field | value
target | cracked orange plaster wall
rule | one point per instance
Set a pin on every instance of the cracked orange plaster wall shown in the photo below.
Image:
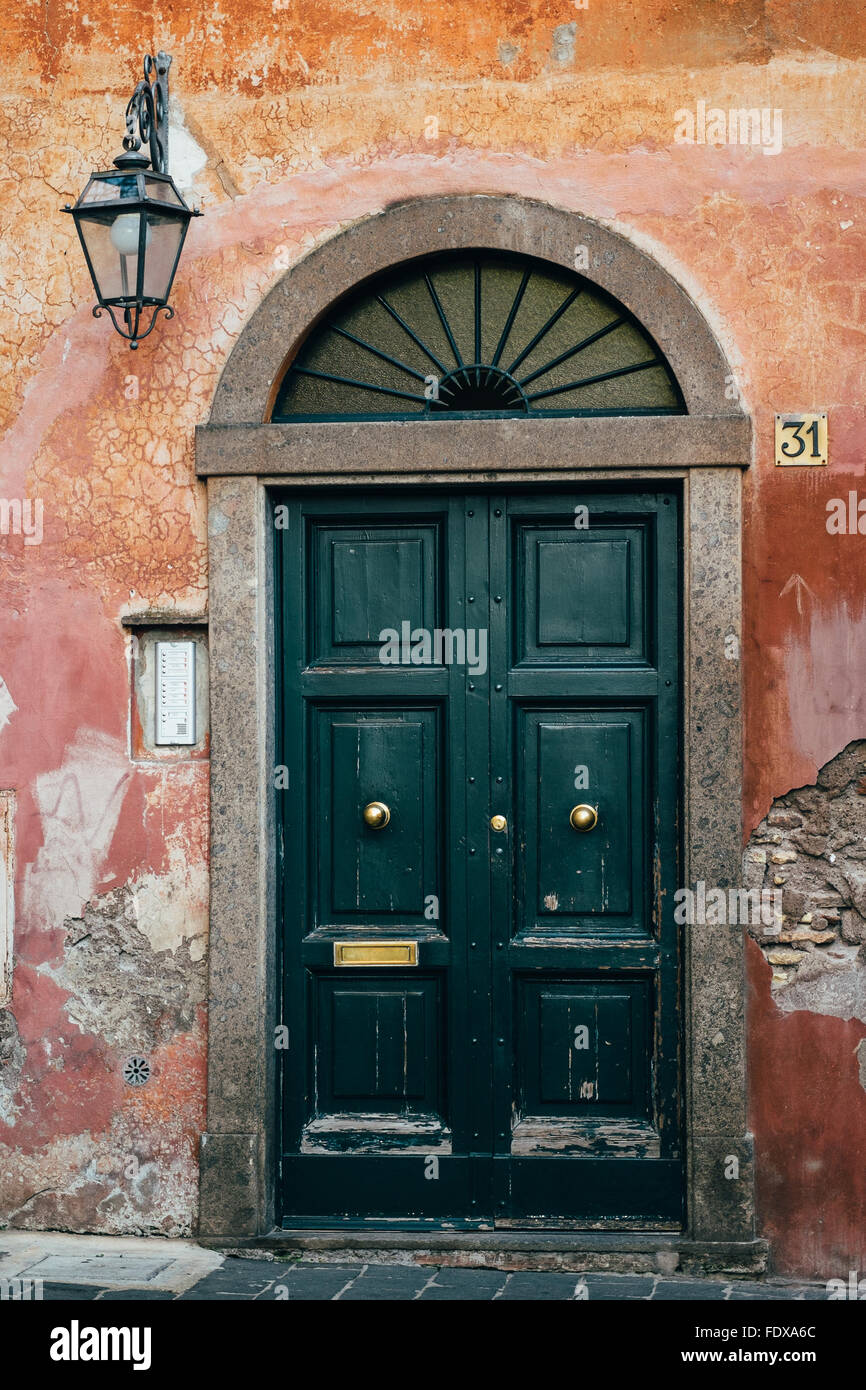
(290, 122)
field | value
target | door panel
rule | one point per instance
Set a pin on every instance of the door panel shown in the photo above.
(376, 1069)
(365, 756)
(363, 581)
(376, 1048)
(603, 1066)
(578, 595)
(564, 876)
(484, 1020)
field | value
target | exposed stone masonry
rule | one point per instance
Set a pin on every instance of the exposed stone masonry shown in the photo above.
(812, 845)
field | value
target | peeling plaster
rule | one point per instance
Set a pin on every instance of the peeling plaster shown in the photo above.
(12, 1057)
(120, 989)
(79, 804)
(172, 908)
(135, 1176)
(186, 154)
(562, 49)
(7, 705)
(833, 984)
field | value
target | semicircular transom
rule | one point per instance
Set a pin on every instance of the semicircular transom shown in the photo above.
(476, 332)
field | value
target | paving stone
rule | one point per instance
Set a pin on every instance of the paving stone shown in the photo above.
(668, 1289)
(388, 1282)
(197, 1294)
(526, 1285)
(279, 1269)
(250, 1271)
(764, 1292)
(79, 1293)
(240, 1278)
(311, 1281)
(102, 1269)
(614, 1286)
(464, 1285)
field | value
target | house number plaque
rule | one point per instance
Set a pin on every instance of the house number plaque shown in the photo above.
(801, 440)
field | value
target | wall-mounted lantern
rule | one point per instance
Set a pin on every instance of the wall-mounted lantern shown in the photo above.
(131, 219)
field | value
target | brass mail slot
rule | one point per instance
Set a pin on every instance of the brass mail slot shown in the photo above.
(375, 953)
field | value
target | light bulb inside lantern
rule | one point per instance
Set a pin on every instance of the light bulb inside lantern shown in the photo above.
(124, 234)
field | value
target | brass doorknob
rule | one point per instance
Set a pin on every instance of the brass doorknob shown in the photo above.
(584, 817)
(377, 815)
(498, 823)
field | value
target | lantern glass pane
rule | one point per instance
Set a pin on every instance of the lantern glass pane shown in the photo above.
(165, 240)
(108, 188)
(116, 275)
(162, 191)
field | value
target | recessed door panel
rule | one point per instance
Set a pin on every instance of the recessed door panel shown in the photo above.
(378, 1044)
(377, 757)
(574, 880)
(579, 595)
(366, 580)
(583, 1047)
(582, 593)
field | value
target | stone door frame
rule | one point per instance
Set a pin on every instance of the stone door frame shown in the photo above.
(243, 457)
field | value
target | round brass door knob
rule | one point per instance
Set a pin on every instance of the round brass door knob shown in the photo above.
(584, 818)
(377, 815)
(498, 823)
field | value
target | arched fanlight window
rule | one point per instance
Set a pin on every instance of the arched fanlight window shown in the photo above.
(477, 332)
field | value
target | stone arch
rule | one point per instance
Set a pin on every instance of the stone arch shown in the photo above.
(270, 338)
(243, 455)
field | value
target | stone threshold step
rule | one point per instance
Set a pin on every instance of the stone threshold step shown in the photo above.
(577, 1251)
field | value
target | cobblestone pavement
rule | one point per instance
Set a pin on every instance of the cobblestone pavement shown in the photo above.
(143, 1269)
(307, 1280)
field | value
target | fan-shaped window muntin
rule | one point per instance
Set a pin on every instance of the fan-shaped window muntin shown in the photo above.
(475, 334)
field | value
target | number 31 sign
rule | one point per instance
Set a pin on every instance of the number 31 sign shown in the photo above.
(801, 440)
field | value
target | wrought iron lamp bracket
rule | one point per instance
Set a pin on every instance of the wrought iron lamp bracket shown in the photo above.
(148, 108)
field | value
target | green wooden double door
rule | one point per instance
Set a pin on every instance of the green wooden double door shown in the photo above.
(478, 717)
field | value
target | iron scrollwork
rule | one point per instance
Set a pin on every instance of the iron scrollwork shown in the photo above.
(148, 109)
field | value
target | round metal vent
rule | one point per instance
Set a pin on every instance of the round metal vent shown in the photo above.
(136, 1071)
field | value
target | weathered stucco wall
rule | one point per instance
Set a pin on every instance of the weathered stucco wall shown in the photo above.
(288, 123)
